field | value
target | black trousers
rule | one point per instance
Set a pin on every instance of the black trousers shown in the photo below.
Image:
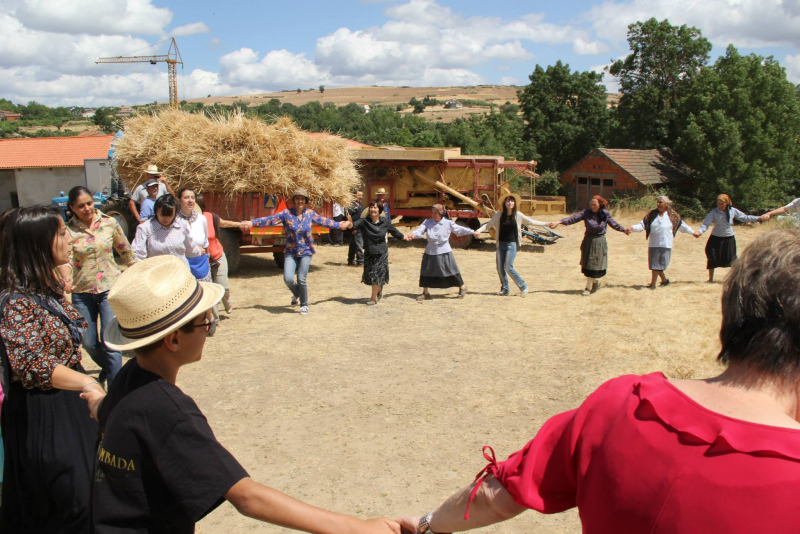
(335, 236)
(355, 254)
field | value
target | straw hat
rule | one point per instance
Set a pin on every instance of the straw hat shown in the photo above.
(152, 169)
(154, 297)
(380, 191)
(300, 193)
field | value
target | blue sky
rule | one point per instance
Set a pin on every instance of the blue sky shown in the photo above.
(48, 47)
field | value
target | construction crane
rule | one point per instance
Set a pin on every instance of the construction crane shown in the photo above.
(172, 58)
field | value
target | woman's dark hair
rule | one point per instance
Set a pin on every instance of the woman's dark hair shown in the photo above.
(761, 307)
(27, 265)
(73, 195)
(182, 190)
(503, 217)
(379, 205)
(200, 201)
(166, 205)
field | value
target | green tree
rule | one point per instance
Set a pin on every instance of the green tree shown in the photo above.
(321, 88)
(565, 115)
(102, 119)
(740, 130)
(663, 63)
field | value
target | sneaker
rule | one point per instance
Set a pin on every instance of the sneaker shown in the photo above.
(295, 301)
(523, 292)
(665, 283)
(424, 296)
(371, 302)
(502, 293)
(585, 293)
(303, 310)
(595, 287)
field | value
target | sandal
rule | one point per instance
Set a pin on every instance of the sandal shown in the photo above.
(595, 287)
(371, 302)
(424, 296)
(462, 293)
(585, 293)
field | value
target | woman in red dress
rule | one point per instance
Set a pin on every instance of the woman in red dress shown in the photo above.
(647, 454)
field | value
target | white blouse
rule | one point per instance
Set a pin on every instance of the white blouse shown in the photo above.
(438, 234)
(661, 231)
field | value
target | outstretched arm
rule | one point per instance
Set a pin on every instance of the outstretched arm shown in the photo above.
(266, 504)
(492, 504)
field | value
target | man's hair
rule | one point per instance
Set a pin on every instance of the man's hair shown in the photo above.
(27, 264)
(188, 328)
(761, 307)
(165, 205)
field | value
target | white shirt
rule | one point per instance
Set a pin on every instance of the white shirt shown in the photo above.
(198, 229)
(140, 193)
(337, 210)
(438, 235)
(794, 205)
(661, 231)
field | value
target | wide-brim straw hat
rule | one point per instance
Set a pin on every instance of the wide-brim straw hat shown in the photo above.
(154, 297)
(300, 193)
(152, 169)
(380, 191)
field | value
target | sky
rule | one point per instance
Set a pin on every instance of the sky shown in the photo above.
(48, 48)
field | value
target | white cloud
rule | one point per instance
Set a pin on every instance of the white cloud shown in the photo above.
(509, 80)
(279, 69)
(584, 48)
(189, 29)
(92, 16)
(608, 80)
(792, 64)
(744, 23)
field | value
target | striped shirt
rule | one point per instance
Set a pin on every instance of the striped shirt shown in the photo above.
(153, 239)
(723, 221)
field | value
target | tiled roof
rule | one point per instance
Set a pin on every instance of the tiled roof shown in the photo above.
(649, 167)
(52, 151)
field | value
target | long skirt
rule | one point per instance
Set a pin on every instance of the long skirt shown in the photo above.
(376, 269)
(658, 258)
(594, 256)
(440, 271)
(720, 251)
(49, 457)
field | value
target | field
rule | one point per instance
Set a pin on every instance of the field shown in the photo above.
(382, 410)
(387, 96)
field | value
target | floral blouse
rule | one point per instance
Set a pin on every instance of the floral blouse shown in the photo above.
(93, 267)
(299, 239)
(36, 341)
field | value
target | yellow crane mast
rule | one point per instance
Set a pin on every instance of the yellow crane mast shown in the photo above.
(171, 58)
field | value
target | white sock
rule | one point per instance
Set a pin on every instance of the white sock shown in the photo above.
(589, 282)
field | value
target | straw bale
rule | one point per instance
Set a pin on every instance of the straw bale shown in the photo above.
(234, 154)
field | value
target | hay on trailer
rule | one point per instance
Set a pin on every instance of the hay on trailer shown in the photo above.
(235, 154)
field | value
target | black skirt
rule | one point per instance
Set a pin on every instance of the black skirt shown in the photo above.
(720, 251)
(50, 443)
(594, 256)
(440, 271)
(376, 269)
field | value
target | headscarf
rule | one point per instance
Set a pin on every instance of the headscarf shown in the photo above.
(727, 199)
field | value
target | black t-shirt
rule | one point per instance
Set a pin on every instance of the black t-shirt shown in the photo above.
(508, 230)
(159, 468)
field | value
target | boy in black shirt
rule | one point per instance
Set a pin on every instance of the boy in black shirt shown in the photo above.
(159, 467)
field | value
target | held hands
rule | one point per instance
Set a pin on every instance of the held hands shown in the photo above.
(245, 226)
(379, 525)
(93, 393)
(344, 225)
(409, 523)
(628, 231)
(697, 233)
(764, 218)
(409, 237)
(553, 225)
(476, 233)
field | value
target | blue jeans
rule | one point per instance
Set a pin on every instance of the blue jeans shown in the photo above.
(92, 305)
(292, 265)
(506, 252)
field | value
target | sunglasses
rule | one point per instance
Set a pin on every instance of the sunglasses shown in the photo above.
(206, 325)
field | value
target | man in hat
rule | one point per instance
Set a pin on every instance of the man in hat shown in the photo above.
(159, 467)
(380, 196)
(148, 205)
(140, 193)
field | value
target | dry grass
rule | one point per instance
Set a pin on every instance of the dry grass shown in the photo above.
(384, 409)
(234, 154)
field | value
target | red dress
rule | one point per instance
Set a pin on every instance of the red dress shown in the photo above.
(639, 456)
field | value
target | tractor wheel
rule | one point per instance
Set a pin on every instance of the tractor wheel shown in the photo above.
(118, 208)
(461, 241)
(278, 257)
(229, 239)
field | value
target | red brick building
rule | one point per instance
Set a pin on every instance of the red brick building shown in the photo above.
(610, 171)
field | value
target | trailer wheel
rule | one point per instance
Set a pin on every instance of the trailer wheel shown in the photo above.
(118, 208)
(229, 239)
(461, 241)
(278, 257)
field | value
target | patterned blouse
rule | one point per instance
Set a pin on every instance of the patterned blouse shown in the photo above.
(93, 267)
(36, 341)
(153, 239)
(299, 239)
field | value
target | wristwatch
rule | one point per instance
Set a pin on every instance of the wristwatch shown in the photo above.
(424, 524)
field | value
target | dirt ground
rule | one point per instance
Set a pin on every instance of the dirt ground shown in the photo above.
(383, 410)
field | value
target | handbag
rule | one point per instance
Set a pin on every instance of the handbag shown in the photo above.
(199, 266)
